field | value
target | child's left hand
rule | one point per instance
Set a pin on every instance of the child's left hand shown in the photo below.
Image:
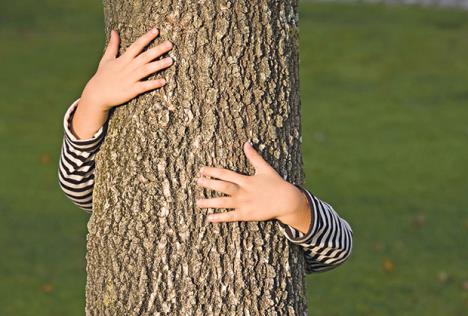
(263, 196)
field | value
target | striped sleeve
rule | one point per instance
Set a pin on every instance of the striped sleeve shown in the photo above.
(328, 242)
(76, 165)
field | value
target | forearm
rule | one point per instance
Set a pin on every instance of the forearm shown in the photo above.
(328, 241)
(76, 165)
(88, 118)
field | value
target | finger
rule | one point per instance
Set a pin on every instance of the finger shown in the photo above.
(217, 202)
(218, 185)
(223, 174)
(232, 216)
(153, 67)
(140, 43)
(112, 47)
(154, 53)
(147, 85)
(255, 158)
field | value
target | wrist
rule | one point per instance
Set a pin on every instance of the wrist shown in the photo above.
(87, 119)
(91, 101)
(300, 216)
(90, 109)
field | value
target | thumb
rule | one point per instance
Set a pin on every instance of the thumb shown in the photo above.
(255, 158)
(112, 47)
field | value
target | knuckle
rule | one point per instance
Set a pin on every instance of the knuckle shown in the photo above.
(147, 68)
(140, 88)
(156, 84)
(143, 71)
(224, 186)
(133, 46)
(244, 180)
(155, 52)
(231, 172)
(140, 59)
(142, 39)
(139, 42)
(230, 187)
(146, 84)
(164, 46)
(156, 65)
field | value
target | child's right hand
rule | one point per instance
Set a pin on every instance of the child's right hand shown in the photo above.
(117, 79)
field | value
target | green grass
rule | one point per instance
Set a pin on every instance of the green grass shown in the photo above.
(385, 133)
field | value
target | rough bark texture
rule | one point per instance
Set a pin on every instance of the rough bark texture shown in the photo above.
(149, 250)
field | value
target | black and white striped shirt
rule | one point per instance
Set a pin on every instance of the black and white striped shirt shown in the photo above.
(326, 245)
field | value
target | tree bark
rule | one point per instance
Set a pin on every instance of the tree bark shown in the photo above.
(235, 77)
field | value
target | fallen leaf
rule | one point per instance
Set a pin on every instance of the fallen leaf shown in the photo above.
(45, 158)
(47, 287)
(388, 265)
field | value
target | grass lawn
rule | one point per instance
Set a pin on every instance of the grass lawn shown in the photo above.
(385, 134)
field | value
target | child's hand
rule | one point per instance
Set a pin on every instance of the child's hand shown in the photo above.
(117, 79)
(263, 196)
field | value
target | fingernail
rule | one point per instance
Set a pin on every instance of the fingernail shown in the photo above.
(155, 31)
(209, 217)
(250, 143)
(163, 81)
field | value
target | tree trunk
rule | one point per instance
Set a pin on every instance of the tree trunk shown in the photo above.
(236, 77)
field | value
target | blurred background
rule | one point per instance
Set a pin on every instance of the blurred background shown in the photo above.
(384, 90)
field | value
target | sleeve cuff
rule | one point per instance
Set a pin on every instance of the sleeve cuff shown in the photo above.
(80, 144)
(295, 235)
